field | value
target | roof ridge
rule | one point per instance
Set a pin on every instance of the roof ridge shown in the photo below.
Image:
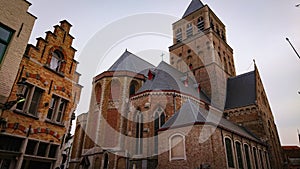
(242, 75)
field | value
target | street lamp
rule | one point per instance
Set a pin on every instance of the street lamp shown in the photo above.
(287, 39)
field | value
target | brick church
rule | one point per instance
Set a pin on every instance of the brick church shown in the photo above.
(192, 113)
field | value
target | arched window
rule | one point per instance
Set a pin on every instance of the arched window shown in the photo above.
(247, 154)
(255, 157)
(56, 61)
(261, 159)
(177, 147)
(159, 121)
(139, 132)
(105, 161)
(200, 24)
(98, 92)
(229, 153)
(239, 155)
(267, 160)
(133, 87)
(178, 35)
(189, 30)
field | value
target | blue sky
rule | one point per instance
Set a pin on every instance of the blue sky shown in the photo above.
(255, 30)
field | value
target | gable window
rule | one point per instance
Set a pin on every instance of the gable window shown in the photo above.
(159, 121)
(5, 37)
(239, 155)
(56, 61)
(177, 147)
(229, 153)
(57, 109)
(139, 132)
(246, 148)
(178, 35)
(32, 100)
(200, 24)
(189, 30)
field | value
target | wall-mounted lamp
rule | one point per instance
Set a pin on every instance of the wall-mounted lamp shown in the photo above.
(22, 86)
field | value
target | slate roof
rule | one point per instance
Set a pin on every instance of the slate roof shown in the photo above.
(131, 62)
(194, 6)
(169, 78)
(241, 90)
(190, 113)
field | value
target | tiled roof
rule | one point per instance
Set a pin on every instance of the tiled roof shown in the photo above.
(194, 6)
(190, 113)
(168, 78)
(241, 90)
(290, 147)
(131, 62)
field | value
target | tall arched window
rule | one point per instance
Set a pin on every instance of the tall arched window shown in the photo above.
(159, 121)
(239, 155)
(98, 92)
(105, 161)
(255, 157)
(177, 147)
(139, 132)
(189, 30)
(56, 61)
(247, 154)
(200, 24)
(133, 87)
(229, 153)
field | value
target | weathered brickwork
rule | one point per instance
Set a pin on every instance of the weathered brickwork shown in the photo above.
(52, 85)
(258, 118)
(14, 15)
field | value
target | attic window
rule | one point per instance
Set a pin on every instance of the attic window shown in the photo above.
(151, 75)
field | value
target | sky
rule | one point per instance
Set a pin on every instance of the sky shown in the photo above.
(255, 30)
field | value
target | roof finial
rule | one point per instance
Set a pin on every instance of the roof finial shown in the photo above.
(162, 56)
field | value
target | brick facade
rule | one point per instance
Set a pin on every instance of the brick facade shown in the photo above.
(14, 16)
(43, 120)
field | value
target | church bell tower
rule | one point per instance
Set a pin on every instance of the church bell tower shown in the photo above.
(200, 49)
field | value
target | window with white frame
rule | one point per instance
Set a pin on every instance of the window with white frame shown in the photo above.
(139, 132)
(177, 147)
(32, 96)
(229, 153)
(239, 155)
(189, 30)
(5, 37)
(57, 109)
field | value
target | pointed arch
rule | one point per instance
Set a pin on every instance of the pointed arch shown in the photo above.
(133, 87)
